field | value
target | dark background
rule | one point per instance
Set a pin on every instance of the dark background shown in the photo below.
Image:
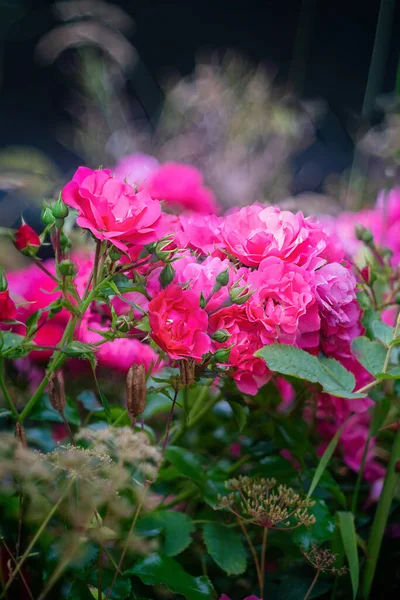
(170, 34)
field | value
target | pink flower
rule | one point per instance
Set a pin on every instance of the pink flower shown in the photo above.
(249, 372)
(284, 303)
(256, 232)
(135, 168)
(178, 324)
(181, 185)
(200, 233)
(111, 210)
(335, 291)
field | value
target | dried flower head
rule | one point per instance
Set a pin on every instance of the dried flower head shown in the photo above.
(57, 391)
(136, 390)
(262, 502)
(323, 560)
(187, 371)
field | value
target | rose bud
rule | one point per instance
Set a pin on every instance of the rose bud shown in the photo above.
(8, 310)
(27, 241)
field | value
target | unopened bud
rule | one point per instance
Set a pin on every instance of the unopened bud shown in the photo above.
(47, 215)
(123, 324)
(67, 268)
(20, 434)
(364, 235)
(223, 278)
(222, 355)
(167, 275)
(64, 241)
(221, 335)
(187, 371)
(60, 209)
(26, 240)
(203, 301)
(57, 391)
(136, 390)
(240, 295)
(3, 280)
(115, 254)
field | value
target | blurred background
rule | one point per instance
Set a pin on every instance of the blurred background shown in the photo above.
(281, 101)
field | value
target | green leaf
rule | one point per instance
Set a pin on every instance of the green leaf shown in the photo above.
(11, 345)
(226, 547)
(90, 401)
(371, 355)
(156, 403)
(157, 569)
(376, 328)
(95, 593)
(383, 332)
(103, 399)
(186, 462)
(379, 414)
(325, 458)
(177, 527)
(78, 350)
(240, 412)
(119, 284)
(392, 373)
(322, 530)
(328, 372)
(349, 538)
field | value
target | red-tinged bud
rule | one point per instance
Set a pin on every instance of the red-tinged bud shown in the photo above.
(366, 274)
(27, 241)
(8, 310)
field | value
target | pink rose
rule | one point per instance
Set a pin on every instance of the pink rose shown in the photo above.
(249, 372)
(200, 233)
(178, 324)
(181, 185)
(335, 288)
(111, 210)
(284, 303)
(256, 232)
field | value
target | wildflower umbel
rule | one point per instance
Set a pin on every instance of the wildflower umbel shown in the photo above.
(262, 502)
(323, 560)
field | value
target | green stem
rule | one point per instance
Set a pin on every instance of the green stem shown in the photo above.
(196, 419)
(381, 517)
(35, 538)
(58, 358)
(359, 477)
(262, 562)
(4, 389)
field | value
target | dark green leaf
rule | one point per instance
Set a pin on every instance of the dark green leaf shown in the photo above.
(370, 354)
(226, 547)
(119, 284)
(329, 373)
(44, 411)
(383, 332)
(90, 401)
(157, 569)
(186, 462)
(349, 538)
(156, 403)
(240, 412)
(320, 532)
(176, 526)
(325, 458)
(11, 345)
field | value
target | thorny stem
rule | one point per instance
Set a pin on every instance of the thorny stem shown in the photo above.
(263, 554)
(314, 581)
(253, 551)
(36, 537)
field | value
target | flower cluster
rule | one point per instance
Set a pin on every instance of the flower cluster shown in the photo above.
(216, 289)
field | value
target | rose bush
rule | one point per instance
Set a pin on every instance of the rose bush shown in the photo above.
(176, 365)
